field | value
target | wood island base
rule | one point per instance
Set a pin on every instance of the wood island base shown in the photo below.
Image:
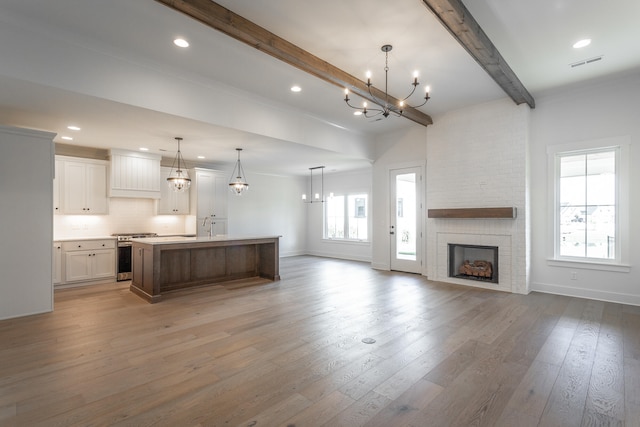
(161, 264)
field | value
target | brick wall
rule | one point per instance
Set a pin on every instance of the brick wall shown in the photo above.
(477, 157)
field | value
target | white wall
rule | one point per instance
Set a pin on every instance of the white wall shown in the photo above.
(26, 200)
(404, 148)
(477, 157)
(338, 183)
(599, 110)
(272, 206)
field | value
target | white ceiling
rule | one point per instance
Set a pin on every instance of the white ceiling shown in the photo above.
(111, 68)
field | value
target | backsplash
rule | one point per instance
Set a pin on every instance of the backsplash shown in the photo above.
(125, 216)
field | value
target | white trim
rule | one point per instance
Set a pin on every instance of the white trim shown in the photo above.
(598, 295)
(347, 256)
(589, 265)
(619, 143)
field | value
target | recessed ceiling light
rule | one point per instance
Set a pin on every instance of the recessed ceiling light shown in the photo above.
(201, 157)
(181, 43)
(296, 88)
(66, 138)
(357, 113)
(581, 43)
(71, 127)
(144, 149)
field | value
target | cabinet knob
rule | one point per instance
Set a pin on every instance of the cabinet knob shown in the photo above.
(79, 246)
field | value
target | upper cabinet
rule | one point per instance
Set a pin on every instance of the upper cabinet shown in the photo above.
(209, 190)
(134, 174)
(57, 183)
(171, 202)
(84, 186)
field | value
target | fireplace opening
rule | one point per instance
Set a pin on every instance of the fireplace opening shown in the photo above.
(473, 262)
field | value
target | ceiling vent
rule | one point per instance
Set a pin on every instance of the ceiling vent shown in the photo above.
(586, 61)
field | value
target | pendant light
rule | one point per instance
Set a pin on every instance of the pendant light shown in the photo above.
(238, 182)
(315, 197)
(178, 179)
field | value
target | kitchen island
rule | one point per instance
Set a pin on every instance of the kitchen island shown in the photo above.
(167, 264)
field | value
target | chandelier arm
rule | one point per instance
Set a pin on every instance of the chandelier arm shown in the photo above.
(377, 100)
(364, 110)
(412, 91)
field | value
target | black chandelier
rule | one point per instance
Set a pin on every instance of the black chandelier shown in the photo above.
(385, 108)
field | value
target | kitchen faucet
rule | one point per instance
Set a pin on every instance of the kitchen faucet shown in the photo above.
(204, 224)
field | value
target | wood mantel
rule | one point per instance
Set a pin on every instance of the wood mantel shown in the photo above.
(166, 264)
(473, 213)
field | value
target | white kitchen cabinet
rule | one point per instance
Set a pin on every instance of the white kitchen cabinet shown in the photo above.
(88, 260)
(209, 200)
(57, 183)
(134, 174)
(57, 263)
(85, 187)
(171, 202)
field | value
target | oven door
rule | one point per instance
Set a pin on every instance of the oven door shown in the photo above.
(124, 261)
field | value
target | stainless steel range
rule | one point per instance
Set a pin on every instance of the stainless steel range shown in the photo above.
(124, 253)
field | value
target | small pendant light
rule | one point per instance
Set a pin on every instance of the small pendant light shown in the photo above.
(178, 179)
(238, 182)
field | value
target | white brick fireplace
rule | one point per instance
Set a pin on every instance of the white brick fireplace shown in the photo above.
(477, 158)
(475, 232)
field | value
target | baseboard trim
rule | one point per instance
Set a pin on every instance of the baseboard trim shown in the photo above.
(586, 293)
(339, 256)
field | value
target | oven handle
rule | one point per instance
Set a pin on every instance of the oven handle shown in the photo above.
(124, 244)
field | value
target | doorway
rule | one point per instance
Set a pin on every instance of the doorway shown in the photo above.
(405, 226)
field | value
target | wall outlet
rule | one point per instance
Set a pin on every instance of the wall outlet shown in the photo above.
(574, 275)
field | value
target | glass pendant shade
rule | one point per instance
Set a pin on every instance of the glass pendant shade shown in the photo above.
(238, 183)
(178, 179)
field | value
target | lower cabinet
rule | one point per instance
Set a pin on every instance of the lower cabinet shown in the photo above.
(89, 260)
(57, 263)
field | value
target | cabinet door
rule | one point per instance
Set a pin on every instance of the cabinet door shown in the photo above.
(182, 203)
(77, 266)
(96, 189)
(74, 188)
(57, 263)
(219, 227)
(57, 182)
(206, 192)
(103, 264)
(221, 192)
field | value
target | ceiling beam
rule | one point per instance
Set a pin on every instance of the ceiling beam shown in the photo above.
(233, 25)
(456, 18)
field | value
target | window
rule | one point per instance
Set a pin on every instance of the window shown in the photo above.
(587, 205)
(346, 217)
(590, 202)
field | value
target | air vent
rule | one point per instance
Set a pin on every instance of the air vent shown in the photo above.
(586, 61)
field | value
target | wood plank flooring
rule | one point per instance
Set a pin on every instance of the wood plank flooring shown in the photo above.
(291, 353)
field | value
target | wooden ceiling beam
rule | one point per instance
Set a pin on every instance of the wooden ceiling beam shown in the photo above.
(233, 25)
(462, 25)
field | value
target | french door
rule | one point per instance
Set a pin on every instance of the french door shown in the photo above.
(405, 227)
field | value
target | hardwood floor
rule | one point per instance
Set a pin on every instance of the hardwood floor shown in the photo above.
(291, 353)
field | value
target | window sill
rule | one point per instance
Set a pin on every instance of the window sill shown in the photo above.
(347, 241)
(589, 265)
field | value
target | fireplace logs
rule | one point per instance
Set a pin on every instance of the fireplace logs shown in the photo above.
(476, 268)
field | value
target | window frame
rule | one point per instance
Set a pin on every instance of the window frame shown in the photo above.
(620, 145)
(346, 196)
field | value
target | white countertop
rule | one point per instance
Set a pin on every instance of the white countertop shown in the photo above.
(203, 239)
(74, 239)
